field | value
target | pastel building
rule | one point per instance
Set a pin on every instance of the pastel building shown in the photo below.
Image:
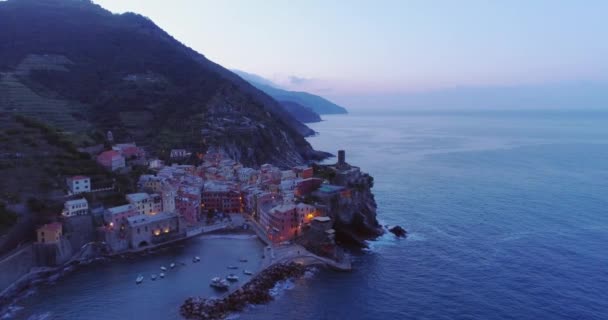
(281, 223)
(49, 233)
(115, 216)
(222, 197)
(188, 204)
(144, 203)
(79, 184)
(111, 160)
(168, 194)
(145, 230)
(76, 207)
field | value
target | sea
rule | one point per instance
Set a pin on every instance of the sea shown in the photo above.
(506, 213)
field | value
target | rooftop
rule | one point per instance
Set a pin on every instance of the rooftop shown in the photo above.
(54, 226)
(76, 201)
(322, 219)
(145, 219)
(78, 178)
(136, 197)
(120, 209)
(330, 188)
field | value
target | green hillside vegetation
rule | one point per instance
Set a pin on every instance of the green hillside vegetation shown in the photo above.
(86, 71)
(37, 158)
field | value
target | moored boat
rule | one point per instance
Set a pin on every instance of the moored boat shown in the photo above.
(161, 275)
(139, 279)
(172, 265)
(153, 277)
(233, 267)
(163, 268)
(220, 284)
(243, 260)
(247, 272)
(232, 277)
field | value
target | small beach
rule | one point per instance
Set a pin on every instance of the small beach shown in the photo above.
(107, 290)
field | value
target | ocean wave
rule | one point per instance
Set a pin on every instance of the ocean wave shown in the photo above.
(310, 273)
(10, 312)
(43, 316)
(280, 288)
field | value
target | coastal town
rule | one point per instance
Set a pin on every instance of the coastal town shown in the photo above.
(181, 201)
(292, 211)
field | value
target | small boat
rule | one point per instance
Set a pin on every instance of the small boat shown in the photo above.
(232, 277)
(153, 277)
(233, 267)
(243, 260)
(172, 265)
(247, 272)
(196, 259)
(161, 275)
(139, 279)
(220, 284)
(163, 268)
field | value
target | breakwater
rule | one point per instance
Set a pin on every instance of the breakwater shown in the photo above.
(256, 291)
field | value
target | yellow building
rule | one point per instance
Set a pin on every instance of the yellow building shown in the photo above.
(49, 233)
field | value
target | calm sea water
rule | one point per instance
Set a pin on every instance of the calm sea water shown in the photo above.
(507, 214)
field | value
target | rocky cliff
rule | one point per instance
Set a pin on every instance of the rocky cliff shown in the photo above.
(353, 208)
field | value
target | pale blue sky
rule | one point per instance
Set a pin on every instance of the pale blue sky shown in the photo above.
(344, 49)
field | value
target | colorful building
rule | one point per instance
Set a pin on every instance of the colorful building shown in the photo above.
(188, 204)
(76, 207)
(222, 197)
(145, 230)
(144, 203)
(111, 160)
(115, 216)
(79, 184)
(49, 233)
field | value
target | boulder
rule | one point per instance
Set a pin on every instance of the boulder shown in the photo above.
(398, 231)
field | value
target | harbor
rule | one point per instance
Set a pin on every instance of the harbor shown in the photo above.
(112, 283)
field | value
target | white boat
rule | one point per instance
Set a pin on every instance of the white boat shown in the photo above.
(220, 284)
(232, 277)
(153, 277)
(196, 259)
(139, 279)
(161, 275)
(247, 272)
(233, 267)
(163, 268)
(172, 265)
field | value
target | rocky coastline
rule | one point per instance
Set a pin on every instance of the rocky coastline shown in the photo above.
(256, 291)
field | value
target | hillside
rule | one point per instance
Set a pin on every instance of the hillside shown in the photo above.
(84, 70)
(316, 103)
(300, 112)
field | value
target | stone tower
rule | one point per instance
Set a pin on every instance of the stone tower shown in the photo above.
(341, 158)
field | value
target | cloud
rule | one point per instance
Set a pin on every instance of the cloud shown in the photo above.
(298, 81)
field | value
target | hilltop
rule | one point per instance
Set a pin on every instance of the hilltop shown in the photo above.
(84, 70)
(316, 103)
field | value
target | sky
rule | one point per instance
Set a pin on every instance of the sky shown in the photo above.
(398, 52)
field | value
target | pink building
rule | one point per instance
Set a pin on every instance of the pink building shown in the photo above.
(282, 223)
(115, 216)
(188, 204)
(111, 160)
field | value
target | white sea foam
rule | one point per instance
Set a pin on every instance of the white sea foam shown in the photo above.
(280, 287)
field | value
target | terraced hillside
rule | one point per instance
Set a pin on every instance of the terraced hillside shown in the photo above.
(85, 70)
